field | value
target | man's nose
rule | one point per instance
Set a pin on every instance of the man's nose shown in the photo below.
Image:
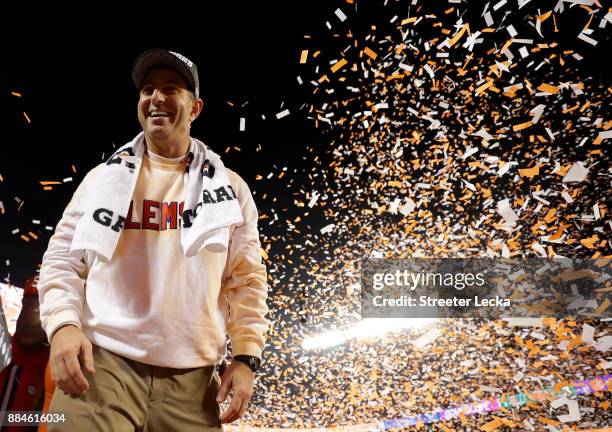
(157, 96)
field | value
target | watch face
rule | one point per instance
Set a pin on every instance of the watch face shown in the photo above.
(254, 363)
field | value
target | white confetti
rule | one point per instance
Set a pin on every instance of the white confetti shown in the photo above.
(313, 199)
(576, 173)
(469, 152)
(499, 4)
(282, 114)
(488, 19)
(525, 322)
(572, 405)
(583, 36)
(568, 199)
(327, 228)
(407, 208)
(340, 15)
(506, 212)
(537, 113)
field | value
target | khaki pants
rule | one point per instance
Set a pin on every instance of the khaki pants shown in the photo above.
(127, 396)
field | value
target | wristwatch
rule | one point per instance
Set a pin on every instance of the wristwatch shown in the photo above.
(251, 361)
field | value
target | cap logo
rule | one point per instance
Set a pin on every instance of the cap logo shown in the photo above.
(182, 58)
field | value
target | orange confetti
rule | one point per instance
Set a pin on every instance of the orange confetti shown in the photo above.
(545, 16)
(370, 53)
(602, 307)
(491, 426)
(408, 20)
(530, 172)
(263, 254)
(455, 38)
(548, 88)
(521, 126)
(304, 56)
(549, 421)
(588, 242)
(483, 87)
(338, 65)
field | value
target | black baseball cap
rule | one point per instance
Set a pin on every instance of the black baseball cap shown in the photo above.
(158, 57)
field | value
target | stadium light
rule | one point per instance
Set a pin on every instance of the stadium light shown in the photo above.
(365, 328)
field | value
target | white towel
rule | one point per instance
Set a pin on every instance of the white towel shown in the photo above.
(211, 205)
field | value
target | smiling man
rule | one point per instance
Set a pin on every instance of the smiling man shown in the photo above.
(155, 260)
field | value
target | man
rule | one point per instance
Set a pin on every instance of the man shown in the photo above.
(156, 259)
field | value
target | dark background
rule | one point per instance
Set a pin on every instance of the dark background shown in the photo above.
(72, 68)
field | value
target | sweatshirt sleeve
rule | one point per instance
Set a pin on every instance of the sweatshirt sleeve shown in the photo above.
(61, 286)
(245, 280)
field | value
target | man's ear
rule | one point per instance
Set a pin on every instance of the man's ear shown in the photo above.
(196, 109)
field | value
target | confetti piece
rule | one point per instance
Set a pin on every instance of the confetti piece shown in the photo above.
(303, 57)
(547, 88)
(242, 126)
(603, 307)
(506, 212)
(341, 16)
(576, 174)
(492, 425)
(583, 36)
(327, 228)
(588, 332)
(525, 322)
(530, 172)
(370, 53)
(521, 126)
(338, 65)
(282, 114)
(572, 405)
(604, 344)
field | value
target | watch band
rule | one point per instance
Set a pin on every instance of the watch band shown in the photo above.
(251, 361)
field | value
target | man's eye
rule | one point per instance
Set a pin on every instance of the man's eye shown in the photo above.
(146, 90)
(170, 90)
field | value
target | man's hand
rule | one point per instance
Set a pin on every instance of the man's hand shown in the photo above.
(69, 346)
(239, 377)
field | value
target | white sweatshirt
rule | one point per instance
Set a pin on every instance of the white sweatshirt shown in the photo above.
(150, 303)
